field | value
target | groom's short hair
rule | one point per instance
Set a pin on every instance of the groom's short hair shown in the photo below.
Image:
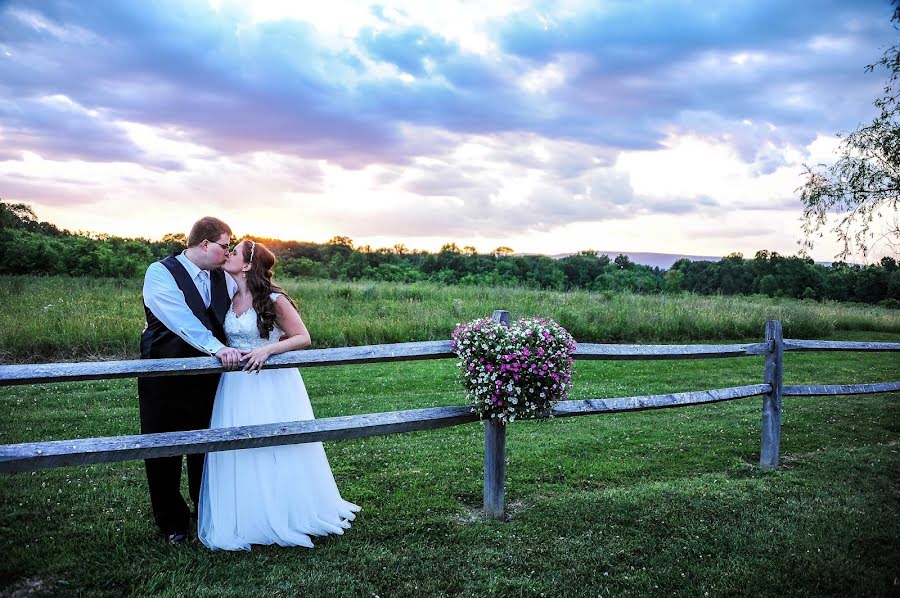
(207, 228)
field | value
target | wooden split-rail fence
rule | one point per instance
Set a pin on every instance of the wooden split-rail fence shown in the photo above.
(44, 455)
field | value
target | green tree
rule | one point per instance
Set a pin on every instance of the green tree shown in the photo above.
(672, 281)
(768, 285)
(871, 285)
(301, 266)
(839, 282)
(16, 215)
(341, 240)
(169, 244)
(622, 261)
(893, 286)
(864, 183)
(582, 268)
(545, 273)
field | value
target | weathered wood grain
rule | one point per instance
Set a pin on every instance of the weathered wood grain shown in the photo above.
(591, 351)
(494, 494)
(69, 372)
(773, 374)
(494, 469)
(793, 344)
(801, 390)
(83, 451)
(11, 375)
(502, 316)
(640, 403)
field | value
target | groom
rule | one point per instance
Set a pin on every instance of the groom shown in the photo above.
(186, 297)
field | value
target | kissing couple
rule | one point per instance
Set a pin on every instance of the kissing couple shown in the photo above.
(217, 299)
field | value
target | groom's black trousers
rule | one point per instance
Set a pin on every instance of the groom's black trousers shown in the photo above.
(172, 404)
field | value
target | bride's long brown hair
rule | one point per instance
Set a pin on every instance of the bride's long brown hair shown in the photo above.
(260, 285)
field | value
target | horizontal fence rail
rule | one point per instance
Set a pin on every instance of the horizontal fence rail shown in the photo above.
(11, 375)
(803, 390)
(677, 399)
(84, 451)
(69, 372)
(793, 344)
(614, 352)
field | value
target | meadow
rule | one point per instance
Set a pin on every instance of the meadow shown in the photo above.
(650, 503)
(63, 319)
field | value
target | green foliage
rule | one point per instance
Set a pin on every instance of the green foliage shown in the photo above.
(673, 281)
(26, 252)
(31, 247)
(301, 267)
(62, 318)
(775, 275)
(341, 241)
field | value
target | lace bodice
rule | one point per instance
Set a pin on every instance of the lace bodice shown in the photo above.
(242, 333)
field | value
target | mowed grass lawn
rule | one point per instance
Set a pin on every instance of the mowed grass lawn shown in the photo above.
(650, 503)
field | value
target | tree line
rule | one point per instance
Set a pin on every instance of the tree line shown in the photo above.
(28, 246)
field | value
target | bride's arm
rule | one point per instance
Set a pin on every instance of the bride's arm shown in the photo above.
(295, 337)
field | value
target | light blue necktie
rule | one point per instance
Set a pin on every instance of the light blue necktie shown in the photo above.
(204, 286)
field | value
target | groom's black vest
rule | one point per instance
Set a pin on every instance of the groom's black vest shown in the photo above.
(157, 341)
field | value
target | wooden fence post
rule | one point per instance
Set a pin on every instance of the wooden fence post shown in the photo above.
(771, 413)
(495, 455)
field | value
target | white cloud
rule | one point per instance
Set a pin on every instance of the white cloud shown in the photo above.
(542, 80)
(543, 126)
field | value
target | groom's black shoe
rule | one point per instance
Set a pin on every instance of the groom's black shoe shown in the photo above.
(176, 538)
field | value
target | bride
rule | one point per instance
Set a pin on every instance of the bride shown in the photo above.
(271, 495)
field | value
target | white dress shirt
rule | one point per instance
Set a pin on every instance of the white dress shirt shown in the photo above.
(166, 301)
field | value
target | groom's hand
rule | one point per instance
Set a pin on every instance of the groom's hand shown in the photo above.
(230, 357)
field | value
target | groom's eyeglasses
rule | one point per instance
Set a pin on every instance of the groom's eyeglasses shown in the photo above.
(225, 246)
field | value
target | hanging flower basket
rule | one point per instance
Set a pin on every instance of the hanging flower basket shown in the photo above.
(515, 372)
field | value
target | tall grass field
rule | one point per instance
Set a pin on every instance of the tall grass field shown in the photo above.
(667, 502)
(63, 319)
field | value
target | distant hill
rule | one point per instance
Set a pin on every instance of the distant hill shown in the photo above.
(654, 260)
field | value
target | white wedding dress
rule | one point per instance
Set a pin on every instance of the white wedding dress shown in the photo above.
(271, 495)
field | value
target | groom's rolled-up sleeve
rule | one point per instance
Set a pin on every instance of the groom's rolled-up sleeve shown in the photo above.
(166, 301)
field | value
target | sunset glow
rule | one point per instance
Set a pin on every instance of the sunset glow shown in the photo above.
(545, 127)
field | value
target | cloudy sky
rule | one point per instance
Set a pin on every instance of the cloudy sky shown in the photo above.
(547, 126)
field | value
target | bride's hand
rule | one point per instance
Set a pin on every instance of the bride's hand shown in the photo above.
(255, 359)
